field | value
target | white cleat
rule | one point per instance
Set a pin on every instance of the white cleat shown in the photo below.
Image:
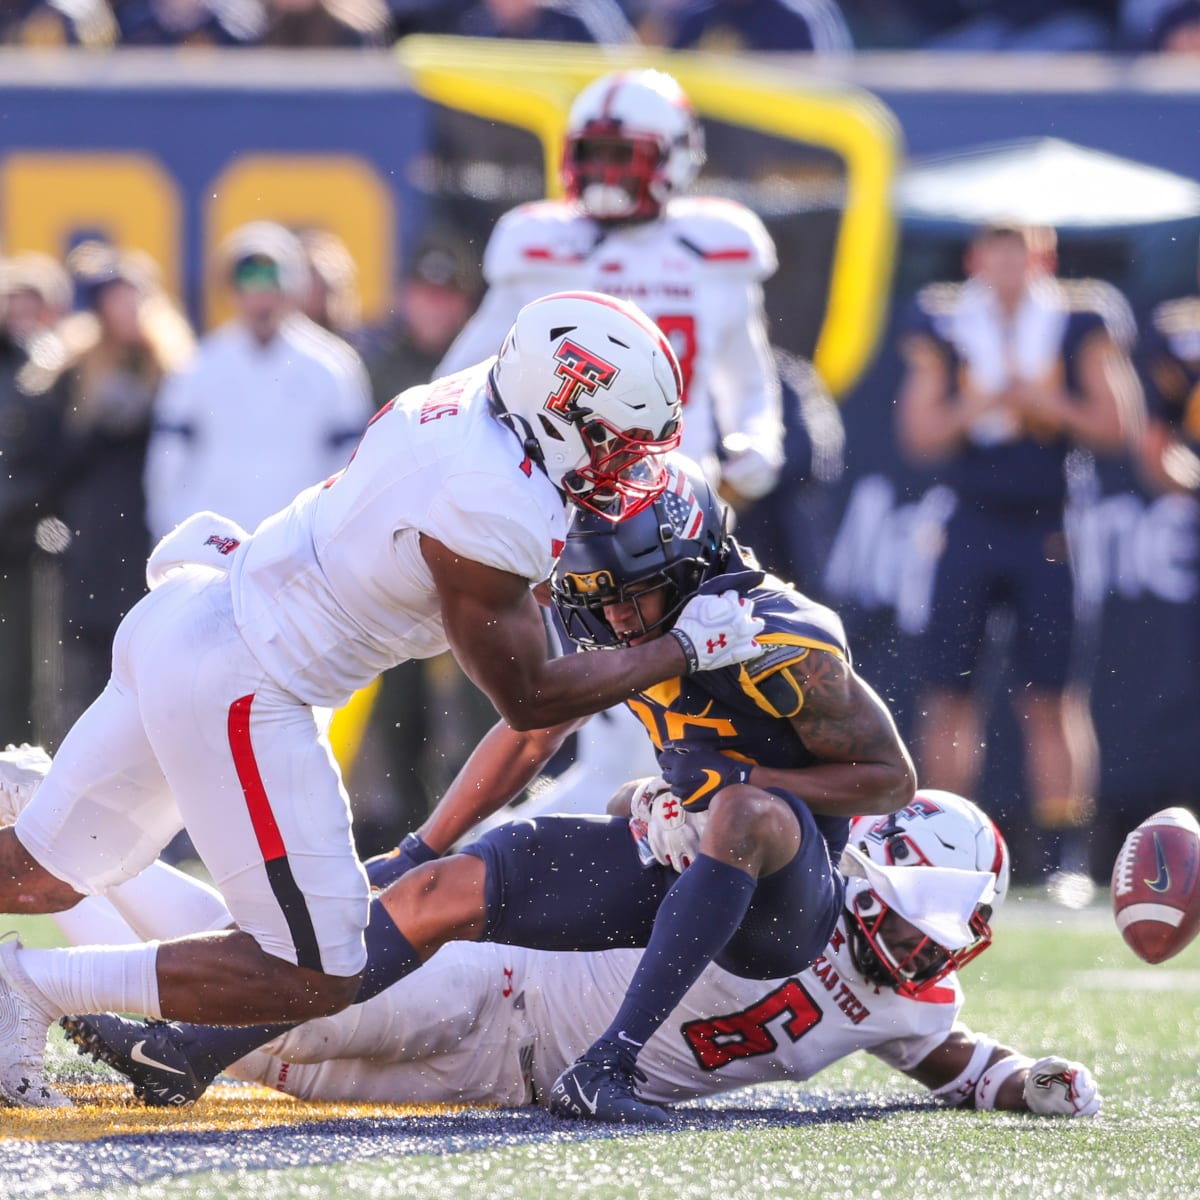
(25, 1018)
(22, 769)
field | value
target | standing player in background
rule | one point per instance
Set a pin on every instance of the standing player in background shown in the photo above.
(1010, 376)
(696, 265)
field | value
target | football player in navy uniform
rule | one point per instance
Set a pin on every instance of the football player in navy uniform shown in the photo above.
(761, 770)
(1007, 375)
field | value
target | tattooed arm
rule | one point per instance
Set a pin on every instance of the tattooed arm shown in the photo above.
(865, 766)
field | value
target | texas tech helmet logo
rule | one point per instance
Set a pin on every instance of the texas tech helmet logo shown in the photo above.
(581, 372)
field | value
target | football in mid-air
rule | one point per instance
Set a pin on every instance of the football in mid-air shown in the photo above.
(1156, 885)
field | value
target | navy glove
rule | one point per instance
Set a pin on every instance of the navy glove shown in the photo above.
(387, 868)
(696, 773)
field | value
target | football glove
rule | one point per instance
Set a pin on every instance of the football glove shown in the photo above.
(1055, 1087)
(718, 628)
(664, 831)
(746, 469)
(696, 774)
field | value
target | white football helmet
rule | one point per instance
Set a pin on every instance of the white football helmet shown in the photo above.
(945, 911)
(593, 389)
(633, 141)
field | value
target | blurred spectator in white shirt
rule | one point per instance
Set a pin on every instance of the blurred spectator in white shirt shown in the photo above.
(271, 404)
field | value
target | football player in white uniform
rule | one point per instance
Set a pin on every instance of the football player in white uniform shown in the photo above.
(483, 1023)
(695, 265)
(451, 509)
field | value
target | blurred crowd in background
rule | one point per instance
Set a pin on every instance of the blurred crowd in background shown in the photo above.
(821, 26)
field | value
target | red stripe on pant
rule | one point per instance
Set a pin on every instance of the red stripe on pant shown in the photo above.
(270, 841)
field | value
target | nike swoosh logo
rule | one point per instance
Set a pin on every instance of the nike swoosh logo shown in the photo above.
(624, 1037)
(712, 781)
(1163, 880)
(139, 1056)
(591, 1104)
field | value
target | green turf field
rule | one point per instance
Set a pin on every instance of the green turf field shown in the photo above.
(1054, 980)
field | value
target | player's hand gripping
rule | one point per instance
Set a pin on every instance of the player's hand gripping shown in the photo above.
(696, 774)
(717, 627)
(1056, 1087)
(664, 830)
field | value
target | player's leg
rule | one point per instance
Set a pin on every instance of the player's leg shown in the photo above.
(949, 740)
(762, 862)
(559, 883)
(100, 815)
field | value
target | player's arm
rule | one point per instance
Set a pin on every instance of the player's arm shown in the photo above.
(747, 400)
(495, 629)
(970, 1070)
(1168, 463)
(1107, 410)
(499, 769)
(931, 420)
(865, 767)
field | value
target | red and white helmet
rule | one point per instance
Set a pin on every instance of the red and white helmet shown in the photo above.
(633, 141)
(593, 388)
(945, 908)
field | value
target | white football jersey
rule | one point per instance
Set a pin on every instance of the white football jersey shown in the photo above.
(333, 589)
(697, 271)
(484, 1023)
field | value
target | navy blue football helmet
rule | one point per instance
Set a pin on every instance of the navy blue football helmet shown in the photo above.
(677, 542)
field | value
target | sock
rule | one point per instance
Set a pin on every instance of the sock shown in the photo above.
(700, 913)
(390, 955)
(164, 903)
(96, 978)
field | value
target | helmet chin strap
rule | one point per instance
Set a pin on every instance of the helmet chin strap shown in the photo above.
(518, 426)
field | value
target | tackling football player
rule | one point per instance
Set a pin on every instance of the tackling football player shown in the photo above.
(452, 507)
(769, 762)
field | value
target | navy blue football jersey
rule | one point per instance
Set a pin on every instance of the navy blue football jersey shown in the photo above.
(744, 710)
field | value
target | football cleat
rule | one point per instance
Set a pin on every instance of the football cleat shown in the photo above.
(601, 1086)
(22, 769)
(25, 1017)
(150, 1054)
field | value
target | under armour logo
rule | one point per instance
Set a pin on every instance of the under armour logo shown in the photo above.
(508, 981)
(670, 808)
(717, 642)
(581, 372)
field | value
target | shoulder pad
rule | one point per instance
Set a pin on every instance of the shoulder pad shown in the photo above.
(531, 238)
(722, 233)
(1099, 298)
(1174, 317)
(795, 625)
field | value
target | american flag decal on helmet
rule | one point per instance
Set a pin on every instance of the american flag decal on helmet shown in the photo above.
(682, 507)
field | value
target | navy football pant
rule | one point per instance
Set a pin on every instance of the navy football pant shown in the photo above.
(576, 883)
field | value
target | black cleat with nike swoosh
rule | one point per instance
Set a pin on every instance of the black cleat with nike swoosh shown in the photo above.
(149, 1054)
(601, 1086)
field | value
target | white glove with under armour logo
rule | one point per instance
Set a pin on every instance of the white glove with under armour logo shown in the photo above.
(717, 631)
(663, 829)
(1056, 1087)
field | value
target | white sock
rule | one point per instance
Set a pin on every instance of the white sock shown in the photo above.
(165, 903)
(96, 978)
(94, 922)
